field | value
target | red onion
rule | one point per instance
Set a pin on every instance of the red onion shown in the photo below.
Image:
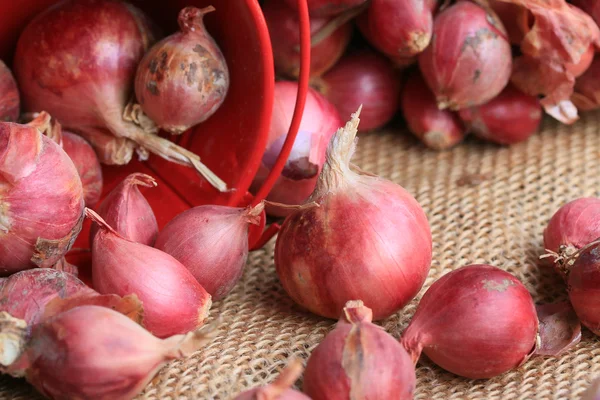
(587, 88)
(477, 321)
(42, 209)
(174, 302)
(516, 19)
(579, 67)
(591, 7)
(365, 238)
(437, 129)
(126, 210)
(469, 60)
(358, 359)
(398, 28)
(363, 78)
(83, 156)
(280, 389)
(95, 353)
(212, 242)
(80, 69)
(9, 95)
(285, 40)
(511, 117)
(183, 79)
(326, 8)
(319, 122)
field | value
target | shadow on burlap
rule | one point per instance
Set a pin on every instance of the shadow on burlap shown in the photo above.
(499, 221)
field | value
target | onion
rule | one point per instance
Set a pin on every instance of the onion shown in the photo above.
(365, 78)
(299, 176)
(326, 8)
(127, 211)
(587, 88)
(437, 129)
(591, 7)
(517, 20)
(95, 353)
(80, 69)
(212, 242)
(578, 68)
(359, 360)
(469, 60)
(280, 388)
(42, 198)
(398, 28)
(9, 95)
(282, 22)
(183, 79)
(365, 238)
(511, 117)
(174, 302)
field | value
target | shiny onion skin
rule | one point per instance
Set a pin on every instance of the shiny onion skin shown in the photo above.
(10, 101)
(319, 122)
(88, 166)
(128, 212)
(212, 242)
(280, 389)
(366, 78)
(437, 129)
(95, 353)
(183, 79)
(469, 59)
(477, 321)
(359, 360)
(327, 8)
(359, 236)
(41, 210)
(511, 117)
(586, 95)
(174, 302)
(583, 280)
(579, 68)
(282, 22)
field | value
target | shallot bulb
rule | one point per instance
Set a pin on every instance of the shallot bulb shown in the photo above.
(437, 129)
(327, 8)
(95, 353)
(591, 7)
(174, 302)
(10, 101)
(511, 117)
(477, 321)
(128, 212)
(469, 60)
(280, 388)
(363, 78)
(88, 166)
(80, 68)
(364, 237)
(516, 19)
(358, 359)
(319, 122)
(282, 22)
(212, 242)
(42, 196)
(586, 95)
(183, 79)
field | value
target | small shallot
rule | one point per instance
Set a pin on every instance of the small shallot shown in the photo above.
(280, 389)
(10, 101)
(88, 166)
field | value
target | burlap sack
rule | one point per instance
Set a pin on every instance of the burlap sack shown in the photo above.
(485, 203)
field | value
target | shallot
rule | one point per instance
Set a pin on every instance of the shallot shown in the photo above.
(280, 389)
(359, 236)
(358, 359)
(10, 101)
(212, 242)
(327, 8)
(469, 60)
(88, 166)
(174, 302)
(586, 95)
(299, 176)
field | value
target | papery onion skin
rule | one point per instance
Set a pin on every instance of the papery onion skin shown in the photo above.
(511, 117)
(583, 282)
(358, 359)
(10, 101)
(437, 129)
(469, 59)
(477, 321)
(365, 238)
(280, 389)
(591, 7)
(326, 8)
(579, 68)
(586, 95)
(365, 78)
(41, 199)
(319, 122)
(88, 166)
(282, 22)
(516, 19)
(183, 79)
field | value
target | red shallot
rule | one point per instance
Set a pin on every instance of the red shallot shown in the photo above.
(437, 129)
(359, 360)
(511, 117)
(280, 389)
(364, 237)
(469, 60)
(174, 302)
(212, 242)
(327, 8)
(10, 102)
(586, 95)
(128, 212)
(517, 20)
(319, 122)
(95, 353)
(183, 79)
(84, 157)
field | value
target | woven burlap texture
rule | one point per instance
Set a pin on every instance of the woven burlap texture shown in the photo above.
(485, 203)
